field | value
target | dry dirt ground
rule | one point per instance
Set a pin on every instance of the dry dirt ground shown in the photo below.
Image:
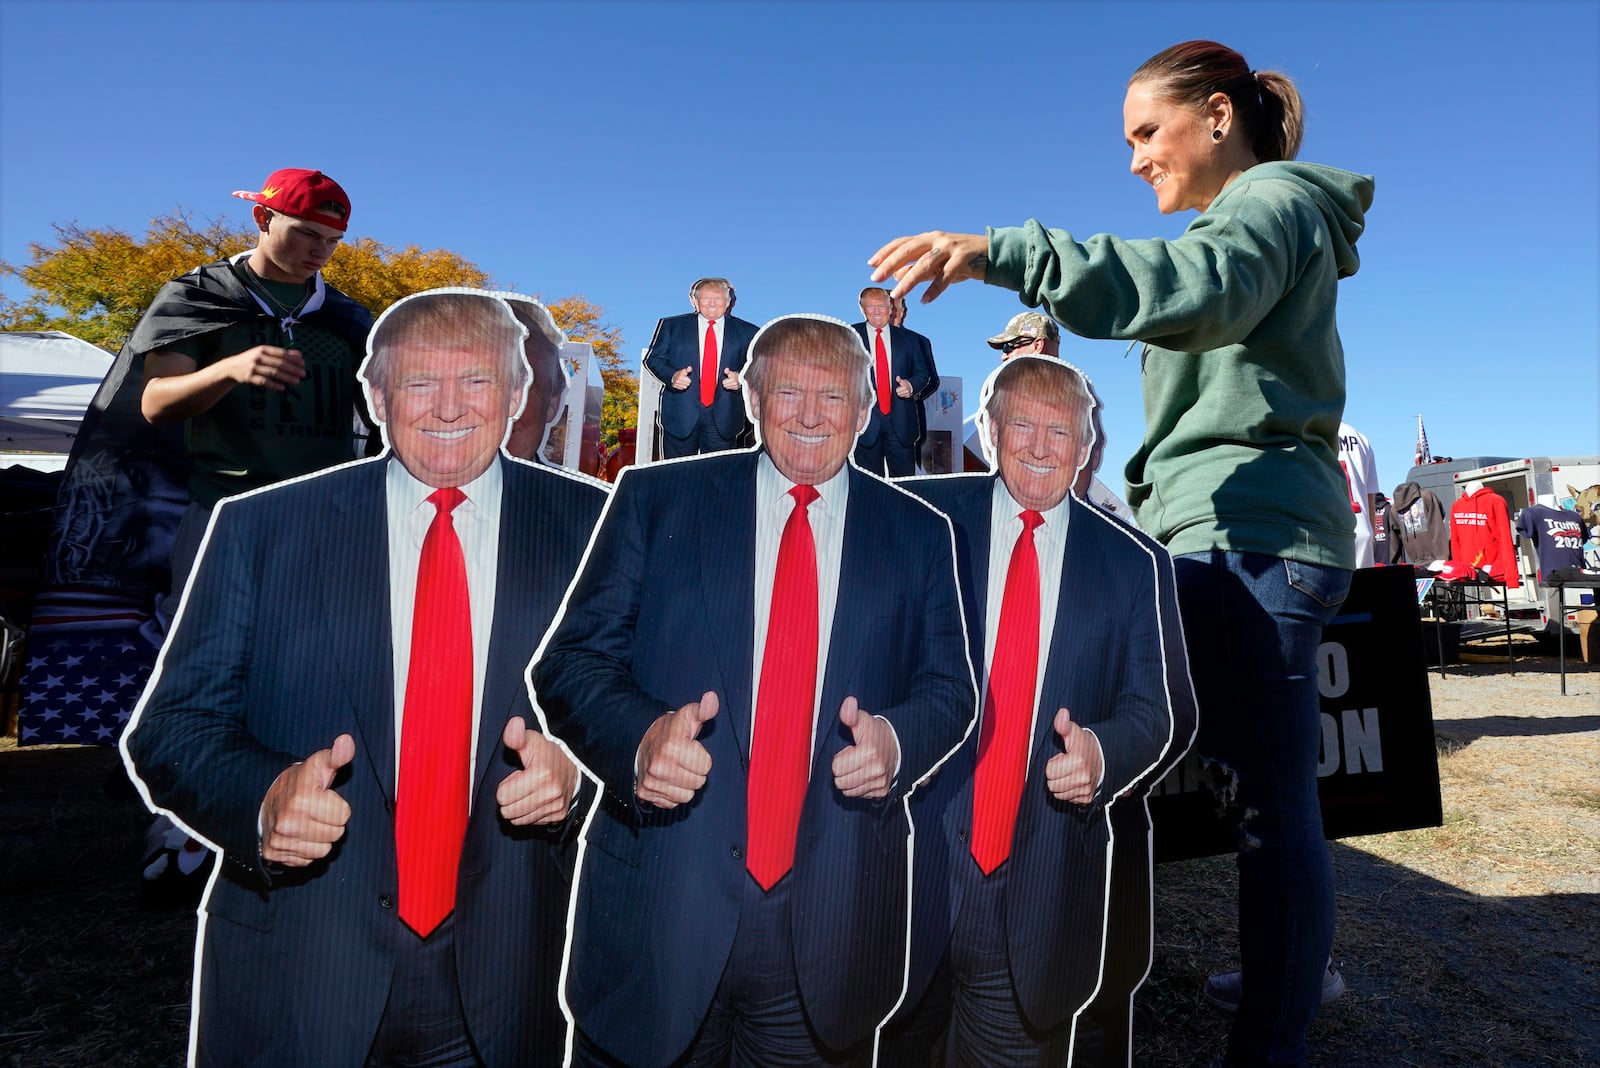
(1475, 943)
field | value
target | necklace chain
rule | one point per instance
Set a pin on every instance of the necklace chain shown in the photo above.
(289, 316)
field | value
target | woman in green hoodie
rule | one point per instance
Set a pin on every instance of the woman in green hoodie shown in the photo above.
(1243, 380)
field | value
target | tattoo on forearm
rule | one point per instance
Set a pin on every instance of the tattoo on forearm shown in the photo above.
(979, 264)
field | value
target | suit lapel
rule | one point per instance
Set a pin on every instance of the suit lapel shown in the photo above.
(732, 336)
(510, 630)
(975, 518)
(1066, 639)
(864, 332)
(898, 353)
(355, 585)
(727, 582)
(860, 579)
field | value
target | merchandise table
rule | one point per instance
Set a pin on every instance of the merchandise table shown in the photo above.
(1462, 594)
(1561, 580)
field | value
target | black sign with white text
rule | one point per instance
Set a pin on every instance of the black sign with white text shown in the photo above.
(1378, 770)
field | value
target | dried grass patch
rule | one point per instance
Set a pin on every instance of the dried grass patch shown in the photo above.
(1473, 943)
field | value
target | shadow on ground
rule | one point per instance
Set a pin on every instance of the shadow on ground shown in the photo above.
(1470, 730)
(1436, 976)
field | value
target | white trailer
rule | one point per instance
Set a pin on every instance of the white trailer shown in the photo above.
(1573, 482)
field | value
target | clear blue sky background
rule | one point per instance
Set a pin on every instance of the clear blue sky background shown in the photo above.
(621, 150)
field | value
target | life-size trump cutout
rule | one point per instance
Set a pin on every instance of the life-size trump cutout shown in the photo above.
(341, 711)
(1086, 701)
(761, 656)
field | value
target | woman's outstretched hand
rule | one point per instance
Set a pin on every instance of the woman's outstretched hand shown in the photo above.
(938, 258)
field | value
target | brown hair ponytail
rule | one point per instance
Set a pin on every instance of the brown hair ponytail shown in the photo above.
(1266, 103)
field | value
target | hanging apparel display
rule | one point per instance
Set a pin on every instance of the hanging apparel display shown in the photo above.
(1361, 475)
(1424, 533)
(1480, 535)
(1557, 534)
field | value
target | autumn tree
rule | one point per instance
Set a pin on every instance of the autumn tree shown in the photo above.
(94, 284)
(582, 320)
(376, 275)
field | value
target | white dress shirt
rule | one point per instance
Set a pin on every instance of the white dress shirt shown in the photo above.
(827, 512)
(700, 346)
(477, 523)
(1050, 542)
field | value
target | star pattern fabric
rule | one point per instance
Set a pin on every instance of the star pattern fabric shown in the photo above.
(85, 666)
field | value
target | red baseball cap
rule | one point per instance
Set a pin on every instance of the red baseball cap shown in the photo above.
(1456, 571)
(309, 195)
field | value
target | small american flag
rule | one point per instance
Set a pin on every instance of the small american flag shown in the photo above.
(87, 664)
(1424, 454)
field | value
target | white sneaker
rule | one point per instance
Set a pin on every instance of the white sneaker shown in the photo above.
(1222, 989)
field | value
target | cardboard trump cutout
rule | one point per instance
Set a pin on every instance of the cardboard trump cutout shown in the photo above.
(340, 711)
(763, 653)
(1086, 701)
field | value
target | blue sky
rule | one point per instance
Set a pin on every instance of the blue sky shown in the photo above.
(621, 150)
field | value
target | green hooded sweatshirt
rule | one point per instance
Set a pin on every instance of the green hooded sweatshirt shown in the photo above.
(1243, 370)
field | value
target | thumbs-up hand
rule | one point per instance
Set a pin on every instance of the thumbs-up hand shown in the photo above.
(867, 768)
(1073, 774)
(672, 762)
(302, 816)
(542, 791)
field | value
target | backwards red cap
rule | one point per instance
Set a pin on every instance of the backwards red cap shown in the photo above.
(309, 195)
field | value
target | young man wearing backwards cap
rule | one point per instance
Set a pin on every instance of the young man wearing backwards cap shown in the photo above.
(256, 355)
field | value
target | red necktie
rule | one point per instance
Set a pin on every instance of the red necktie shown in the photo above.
(1008, 708)
(780, 755)
(430, 815)
(883, 373)
(708, 367)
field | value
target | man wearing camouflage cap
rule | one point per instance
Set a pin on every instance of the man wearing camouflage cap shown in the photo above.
(1029, 333)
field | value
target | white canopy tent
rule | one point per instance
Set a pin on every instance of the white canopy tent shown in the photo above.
(47, 380)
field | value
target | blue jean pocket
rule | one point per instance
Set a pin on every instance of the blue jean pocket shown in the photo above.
(1325, 585)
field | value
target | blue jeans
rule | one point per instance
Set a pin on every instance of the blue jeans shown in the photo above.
(1253, 624)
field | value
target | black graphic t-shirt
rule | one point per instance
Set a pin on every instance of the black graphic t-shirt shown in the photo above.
(255, 436)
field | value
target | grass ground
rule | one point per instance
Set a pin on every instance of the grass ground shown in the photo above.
(1474, 943)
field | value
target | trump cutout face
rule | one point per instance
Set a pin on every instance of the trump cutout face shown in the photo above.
(711, 300)
(547, 389)
(809, 411)
(875, 309)
(447, 407)
(1040, 446)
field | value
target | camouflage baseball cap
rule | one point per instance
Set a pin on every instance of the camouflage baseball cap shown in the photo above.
(1028, 325)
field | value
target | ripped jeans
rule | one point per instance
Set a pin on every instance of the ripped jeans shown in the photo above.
(1252, 624)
